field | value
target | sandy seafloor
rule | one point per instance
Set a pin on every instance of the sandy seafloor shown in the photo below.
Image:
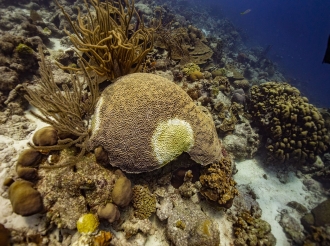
(274, 187)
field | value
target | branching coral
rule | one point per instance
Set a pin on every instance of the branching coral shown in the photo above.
(295, 129)
(107, 38)
(66, 109)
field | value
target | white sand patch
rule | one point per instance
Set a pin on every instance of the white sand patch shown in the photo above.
(8, 155)
(55, 44)
(32, 118)
(272, 194)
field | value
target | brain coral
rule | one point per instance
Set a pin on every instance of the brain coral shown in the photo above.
(143, 121)
(295, 129)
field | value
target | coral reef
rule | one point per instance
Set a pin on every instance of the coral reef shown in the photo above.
(109, 212)
(252, 231)
(26, 164)
(71, 187)
(243, 142)
(217, 184)
(187, 44)
(318, 236)
(122, 191)
(294, 128)
(292, 227)
(46, 136)
(18, 64)
(139, 114)
(319, 216)
(103, 238)
(186, 223)
(65, 108)
(141, 123)
(192, 70)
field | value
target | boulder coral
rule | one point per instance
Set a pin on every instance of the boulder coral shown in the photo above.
(26, 163)
(295, 129)
(46, 136)
(122, 192)
(24, 198)
(144, 121)
(109, 212)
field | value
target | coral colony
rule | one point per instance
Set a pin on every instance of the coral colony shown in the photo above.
(146, 121)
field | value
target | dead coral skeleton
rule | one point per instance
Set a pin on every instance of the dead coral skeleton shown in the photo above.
(67, 109)
(107, 37)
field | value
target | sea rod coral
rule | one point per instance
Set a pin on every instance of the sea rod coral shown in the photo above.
(66, 109)
(107, 38)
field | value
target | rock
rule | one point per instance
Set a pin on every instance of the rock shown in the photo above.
(9, 79)
(4, 236)
(188, 225)
(307, 221)
(321, 213)
(292, 227)
(24, 198)
(298, 207)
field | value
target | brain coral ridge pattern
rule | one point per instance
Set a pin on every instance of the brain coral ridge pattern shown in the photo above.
(143, 121)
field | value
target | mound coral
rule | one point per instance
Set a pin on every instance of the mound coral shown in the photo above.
(144, 121)
(295, 129)
(24, 198)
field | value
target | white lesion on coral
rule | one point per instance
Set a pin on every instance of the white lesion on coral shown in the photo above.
(170, 139)
(96, 119)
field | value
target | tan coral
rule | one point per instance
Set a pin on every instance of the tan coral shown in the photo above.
(201, 53)
(295, 128)
(217, 184)
(144, 202)
(129, 114)
(223, 83)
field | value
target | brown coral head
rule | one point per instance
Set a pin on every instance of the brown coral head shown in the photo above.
(144, 121)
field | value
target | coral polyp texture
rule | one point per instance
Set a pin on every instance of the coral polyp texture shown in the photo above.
(295, 129)
(87, 224)
(143, 121)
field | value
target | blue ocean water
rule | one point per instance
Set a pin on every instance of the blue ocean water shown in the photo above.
(298, 32)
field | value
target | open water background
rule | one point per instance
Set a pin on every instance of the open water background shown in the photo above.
(298, 31)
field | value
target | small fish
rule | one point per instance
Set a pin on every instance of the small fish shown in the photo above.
(246, 11)
(326, 58)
